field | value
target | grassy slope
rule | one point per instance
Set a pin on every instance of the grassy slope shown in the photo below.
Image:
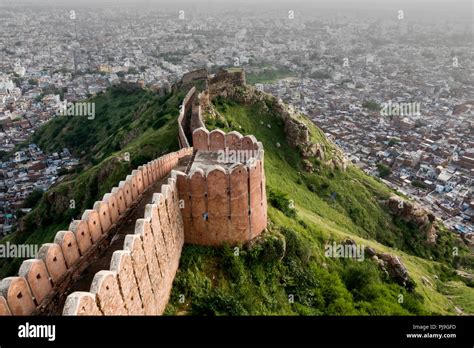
(135, 121)
(287, 261)
(260, 279)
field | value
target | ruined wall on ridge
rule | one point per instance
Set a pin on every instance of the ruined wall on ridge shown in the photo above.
(224, 82)
(184, 107)
(194, 76)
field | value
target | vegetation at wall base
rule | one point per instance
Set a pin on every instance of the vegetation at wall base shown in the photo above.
(286, 272)
(128, 120)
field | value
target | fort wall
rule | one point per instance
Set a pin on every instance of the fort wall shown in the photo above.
(193, 76)
(185, 106)
(225, 80)
(223, 197)
(214, 201)
(140, 276)
(40, 280)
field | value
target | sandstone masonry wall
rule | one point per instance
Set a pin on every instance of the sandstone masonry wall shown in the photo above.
(185, 105)
(196, 75)
(210, 205)
(140, 276)
(225, 80)
(223, 203)
(40, 279)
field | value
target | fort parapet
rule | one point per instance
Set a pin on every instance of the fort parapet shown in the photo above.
(223, 194)
(217, 198)
(140, 275)
(41, 281)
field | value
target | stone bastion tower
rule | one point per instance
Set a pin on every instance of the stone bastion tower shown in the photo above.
(223, 193)
(223, 190)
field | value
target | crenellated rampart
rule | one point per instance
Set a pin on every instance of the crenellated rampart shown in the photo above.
(223, 194)
(41, 280)
(223, 191)
(218, 197)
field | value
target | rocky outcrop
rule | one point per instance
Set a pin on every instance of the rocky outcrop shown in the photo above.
(231, 84)
(468, 238)
(296, 132)
(413, 213)
(308, 166)
(394, 267)
(390, 264)
(298, 136)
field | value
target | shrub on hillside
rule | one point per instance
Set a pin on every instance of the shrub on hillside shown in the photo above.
(383, 170)
(281, 201)
(33, 199)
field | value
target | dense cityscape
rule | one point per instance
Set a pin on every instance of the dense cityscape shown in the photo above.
(346, 73)
(213, 163)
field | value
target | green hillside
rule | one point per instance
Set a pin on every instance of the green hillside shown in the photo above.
(286, 272)
(127, 119)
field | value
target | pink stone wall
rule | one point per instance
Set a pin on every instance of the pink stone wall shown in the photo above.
(4, 309)
(121, 199)
(197, 192)
(218, 206)
(233, 140)
(224, 205)
(187, 102)
(91, 218)
(80, 230)
(105, 286)
(255, 196)
(201, 139)
(53, 257)
(35, 273)
(18, 295)
(239, 207)
(121, 263)
(68, 244)
(140, 276)
(81, 303)
(147, 265)
(216, 140)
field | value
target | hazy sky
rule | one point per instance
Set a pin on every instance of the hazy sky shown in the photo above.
(427, 9)
(380, 3)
